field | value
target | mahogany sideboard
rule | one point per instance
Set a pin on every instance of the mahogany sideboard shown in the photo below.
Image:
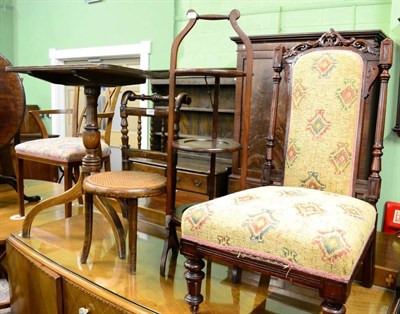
(46, 277)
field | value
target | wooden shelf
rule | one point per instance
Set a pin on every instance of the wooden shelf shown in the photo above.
(203, 145)
(210, 72)
(207, 110)
(196, 118)
(195, 80)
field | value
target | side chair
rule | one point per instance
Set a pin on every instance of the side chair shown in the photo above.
(313, 219)
(65, 152)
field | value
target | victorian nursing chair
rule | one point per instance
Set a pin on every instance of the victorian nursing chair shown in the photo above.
(313, 220)
(128, 185)
(66, 152)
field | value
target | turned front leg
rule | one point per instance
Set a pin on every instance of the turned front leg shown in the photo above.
(333, 308)
(194, 275)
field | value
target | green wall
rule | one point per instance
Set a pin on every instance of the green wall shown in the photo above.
(7, 29)
(38, 25)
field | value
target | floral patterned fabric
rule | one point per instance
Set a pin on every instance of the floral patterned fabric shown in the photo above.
(314, 231)
(63, 149)
(312, 223)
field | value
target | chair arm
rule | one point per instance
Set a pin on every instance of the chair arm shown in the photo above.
(102, 115)
(36, 114)
(109, 114)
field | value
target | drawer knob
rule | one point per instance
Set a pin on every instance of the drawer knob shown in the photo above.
(83, 310)
(390, 281)
(197, 182)
(178, 179)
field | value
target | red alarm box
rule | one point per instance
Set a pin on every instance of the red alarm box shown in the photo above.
(391, 223)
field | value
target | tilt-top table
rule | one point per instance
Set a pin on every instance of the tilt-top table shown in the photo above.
(92, 77)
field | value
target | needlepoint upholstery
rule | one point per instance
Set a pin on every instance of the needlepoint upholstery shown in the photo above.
(323, 121)
(319, 232)
(61, 149)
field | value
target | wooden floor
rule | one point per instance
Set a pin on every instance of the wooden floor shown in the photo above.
(165, 295)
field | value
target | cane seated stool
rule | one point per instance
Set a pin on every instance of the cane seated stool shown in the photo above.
(313, 220)
(127, 187)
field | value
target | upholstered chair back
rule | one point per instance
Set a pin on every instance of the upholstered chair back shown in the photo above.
(328, 115)
(323, 132)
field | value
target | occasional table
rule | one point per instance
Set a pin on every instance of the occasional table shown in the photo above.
(92, 77)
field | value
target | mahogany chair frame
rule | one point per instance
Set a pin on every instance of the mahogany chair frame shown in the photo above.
(377, 61)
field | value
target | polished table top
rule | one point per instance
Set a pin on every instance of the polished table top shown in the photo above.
(106, 75)
(12, 103)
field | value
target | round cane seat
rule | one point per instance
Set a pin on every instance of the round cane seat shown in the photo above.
(125, 184)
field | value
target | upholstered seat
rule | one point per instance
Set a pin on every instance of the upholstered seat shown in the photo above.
(61, 149)
(318, 232)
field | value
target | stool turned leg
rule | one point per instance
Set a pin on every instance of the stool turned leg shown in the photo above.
(88, 227)
(132, 209)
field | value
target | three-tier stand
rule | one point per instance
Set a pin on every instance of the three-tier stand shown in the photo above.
(212, 145)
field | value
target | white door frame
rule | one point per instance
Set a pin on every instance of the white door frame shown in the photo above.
(141, 50)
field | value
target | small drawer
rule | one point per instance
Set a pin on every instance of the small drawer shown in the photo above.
(79, 300)
(148, 168)
(190, 181)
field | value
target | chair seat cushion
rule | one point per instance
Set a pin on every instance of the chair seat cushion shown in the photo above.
(62, 149)
(318, 232)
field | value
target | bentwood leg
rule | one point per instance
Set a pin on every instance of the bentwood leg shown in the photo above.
(88, 227)
(67, 196)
